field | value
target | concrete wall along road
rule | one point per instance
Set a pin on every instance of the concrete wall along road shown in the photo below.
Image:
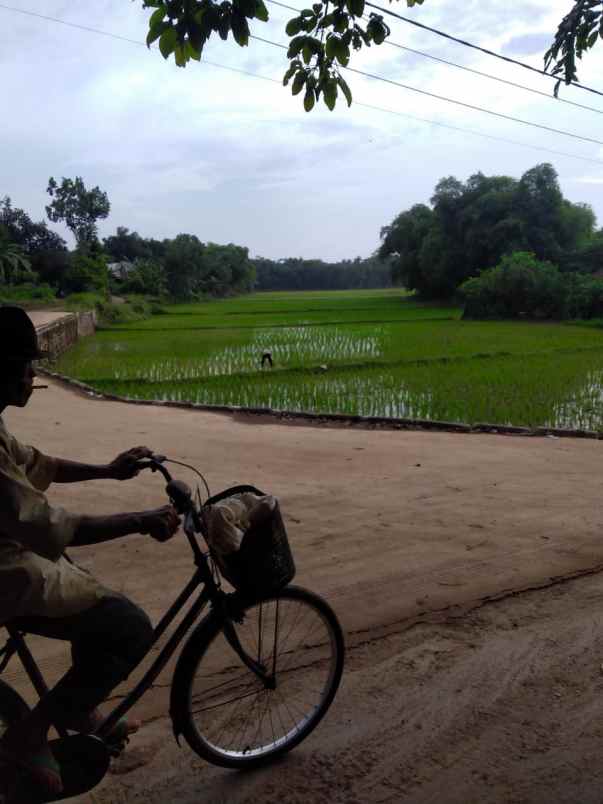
(58, 335)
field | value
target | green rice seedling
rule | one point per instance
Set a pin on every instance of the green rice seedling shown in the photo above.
(416, 362)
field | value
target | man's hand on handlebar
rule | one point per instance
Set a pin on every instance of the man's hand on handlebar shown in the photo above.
(126, 465)
(161, 524)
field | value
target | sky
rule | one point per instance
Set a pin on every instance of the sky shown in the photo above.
(235, 159)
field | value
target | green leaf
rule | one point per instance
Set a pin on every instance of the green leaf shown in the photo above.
(168, 41)
(378, 33)
(261, 12)
(345, 89)
(330, 93)
(317, 8)
(325, 22)
(357, 7)
(309, 99)
(157, 17)
(224, 26)
(156, 32)
(331, 46)
(307, 53)
(295, 46)
(341, 21)
(245, 7)
(240, 29)
(293, 26)
(298, 82)
(180, 56)
(191, 52)
(342, 53)
(289, 74)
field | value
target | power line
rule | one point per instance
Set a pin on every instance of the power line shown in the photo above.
(471, 106)
(468, 69)
(276, 81)
(494, 77)
(477, 47)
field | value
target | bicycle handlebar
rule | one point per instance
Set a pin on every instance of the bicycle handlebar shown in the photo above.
(179, 492)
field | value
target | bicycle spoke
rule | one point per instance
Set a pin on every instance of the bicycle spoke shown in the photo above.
(235, 715)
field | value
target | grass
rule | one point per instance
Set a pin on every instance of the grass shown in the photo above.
(369, 353)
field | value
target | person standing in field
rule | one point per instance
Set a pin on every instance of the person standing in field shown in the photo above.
(42, 591)
(267, 358)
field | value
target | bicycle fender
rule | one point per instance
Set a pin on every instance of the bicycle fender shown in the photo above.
(188, 656)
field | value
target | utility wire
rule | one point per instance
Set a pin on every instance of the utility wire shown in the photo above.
(277, 81)
(508, 59)
(467, 69)
(454, 101)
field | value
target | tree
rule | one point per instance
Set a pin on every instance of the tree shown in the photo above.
(184, 266)
(31, 237)
(147, 276)
(87, 271)
(14, 265)
(45, 250)
(578, 32)
(472, 225)
(323, 36)
(127, 245)
(403, 239)
(78, 207)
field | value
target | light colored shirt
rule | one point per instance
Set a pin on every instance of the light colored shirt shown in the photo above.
(35, 576)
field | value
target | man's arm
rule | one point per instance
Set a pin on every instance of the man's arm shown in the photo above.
(160, 523)
(73, 472)
(121, 468)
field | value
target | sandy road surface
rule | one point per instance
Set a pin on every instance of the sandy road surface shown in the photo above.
(447, 697)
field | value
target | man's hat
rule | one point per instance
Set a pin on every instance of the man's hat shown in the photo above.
(18, 339)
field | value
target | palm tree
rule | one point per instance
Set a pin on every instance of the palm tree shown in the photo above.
(13, 261)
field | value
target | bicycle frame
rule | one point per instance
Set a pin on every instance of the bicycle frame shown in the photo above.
(210, 592)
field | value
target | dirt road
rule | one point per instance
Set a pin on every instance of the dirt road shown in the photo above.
(462, 685)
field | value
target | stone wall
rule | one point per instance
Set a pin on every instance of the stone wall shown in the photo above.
(59, 335)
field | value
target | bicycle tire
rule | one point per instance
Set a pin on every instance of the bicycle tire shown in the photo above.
(208, 652)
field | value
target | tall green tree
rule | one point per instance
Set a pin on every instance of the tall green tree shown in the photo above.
(127, 245)
(78, 207)
(472, 225)
(31, 237)
(185, 266)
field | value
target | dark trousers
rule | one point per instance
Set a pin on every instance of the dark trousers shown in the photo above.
(107, 640)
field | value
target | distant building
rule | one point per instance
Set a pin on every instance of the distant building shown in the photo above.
(120, 270)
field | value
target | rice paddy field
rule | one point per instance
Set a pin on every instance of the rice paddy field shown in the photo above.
(369, 353)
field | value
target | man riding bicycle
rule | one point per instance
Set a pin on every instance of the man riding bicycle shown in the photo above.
(42, 591)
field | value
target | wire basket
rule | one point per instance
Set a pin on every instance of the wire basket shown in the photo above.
(264, 563)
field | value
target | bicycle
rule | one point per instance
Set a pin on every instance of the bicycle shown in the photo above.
(254, 678)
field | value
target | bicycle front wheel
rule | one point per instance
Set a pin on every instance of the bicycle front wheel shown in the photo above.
(228, 715)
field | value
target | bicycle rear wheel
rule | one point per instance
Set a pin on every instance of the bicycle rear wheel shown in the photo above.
(227, 715)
